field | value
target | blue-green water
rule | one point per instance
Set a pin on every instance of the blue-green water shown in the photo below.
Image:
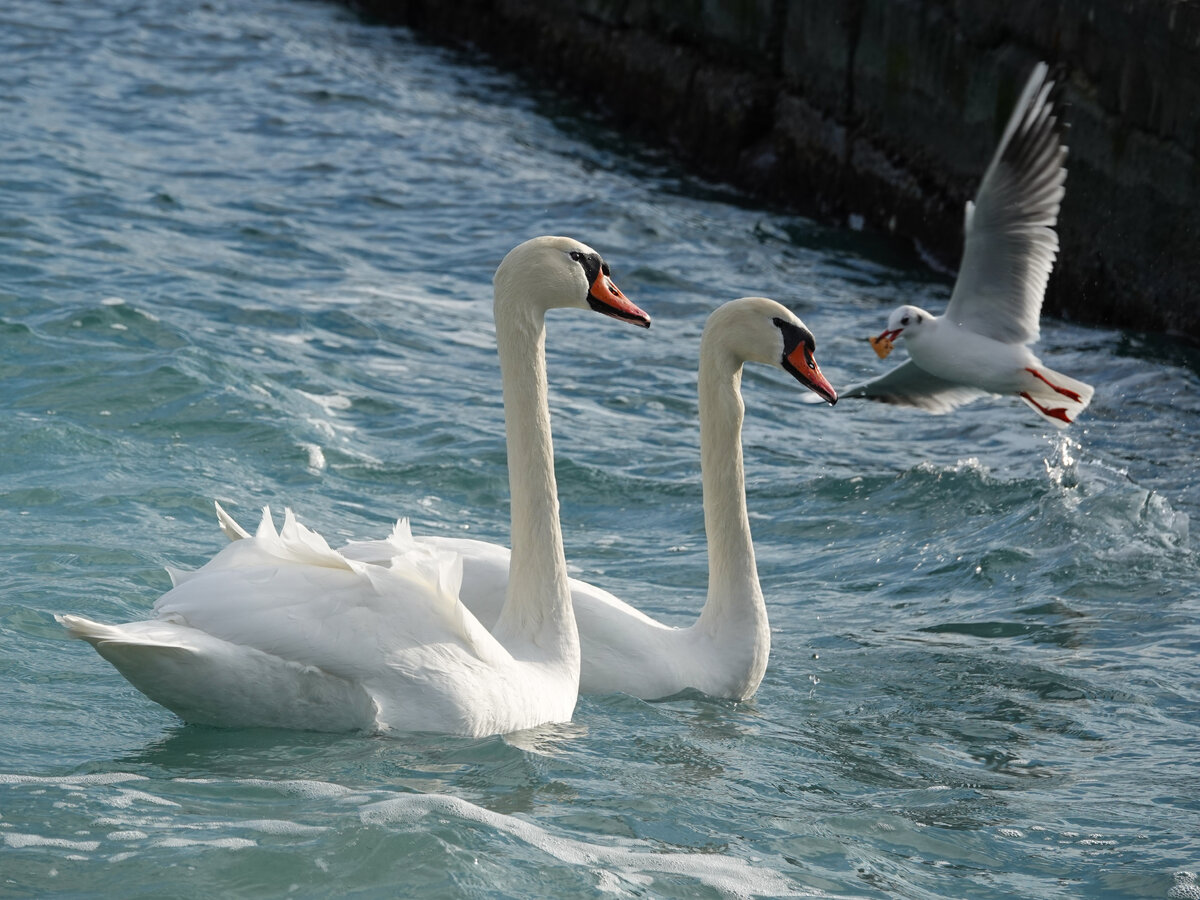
(245, 255)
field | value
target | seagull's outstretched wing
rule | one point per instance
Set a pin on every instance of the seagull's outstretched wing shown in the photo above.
(1010, 239)
(910, 385)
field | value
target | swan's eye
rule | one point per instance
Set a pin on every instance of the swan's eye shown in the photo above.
(576, 255)
(794, 337)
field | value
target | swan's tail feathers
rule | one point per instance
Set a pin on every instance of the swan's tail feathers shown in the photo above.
(231, 528)
(208, 681)
(1057, 398)
(87, 630)
(137, 653)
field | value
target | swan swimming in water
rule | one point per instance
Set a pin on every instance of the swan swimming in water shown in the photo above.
(724, 652)
(979, 346)
(279, 630)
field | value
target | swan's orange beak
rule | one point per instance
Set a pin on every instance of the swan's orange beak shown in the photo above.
(803, 366)
(605, 297)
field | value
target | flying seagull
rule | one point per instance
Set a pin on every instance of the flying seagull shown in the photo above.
(979, 346)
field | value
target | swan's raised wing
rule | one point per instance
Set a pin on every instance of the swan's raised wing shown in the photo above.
(229, 526)
(289, 595)
(910, 385)
(1010, 242)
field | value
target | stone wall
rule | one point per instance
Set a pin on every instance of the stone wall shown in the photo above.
(890, 109)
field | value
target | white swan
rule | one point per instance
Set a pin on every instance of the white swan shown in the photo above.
(280, 630)
(979, 345)
(724, 653)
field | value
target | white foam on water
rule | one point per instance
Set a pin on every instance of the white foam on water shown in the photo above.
(730, 875)
(225, 843)
(281, 826)
(18, 840)
(311, 790)
(316, 456)
(71, 780)
(328, 402)
(128, 797)
(123, 823)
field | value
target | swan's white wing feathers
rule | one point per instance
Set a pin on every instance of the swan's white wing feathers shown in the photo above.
(380, 552)
(485, 574)
(229, 525)
(288, 594)
(910, 385)
(298, 544)
(1010, 242)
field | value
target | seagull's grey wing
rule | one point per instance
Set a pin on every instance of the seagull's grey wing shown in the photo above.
(1010, 241)
(910, 385)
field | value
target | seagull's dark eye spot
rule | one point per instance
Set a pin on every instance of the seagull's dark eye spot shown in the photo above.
(918, 320)
(904, 321)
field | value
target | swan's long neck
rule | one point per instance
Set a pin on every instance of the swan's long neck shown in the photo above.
(734, 612)
(537, 606)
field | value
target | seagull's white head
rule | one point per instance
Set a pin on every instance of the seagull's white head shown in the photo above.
(905, 320)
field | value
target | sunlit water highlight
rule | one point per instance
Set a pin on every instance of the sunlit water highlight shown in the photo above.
(245, 255)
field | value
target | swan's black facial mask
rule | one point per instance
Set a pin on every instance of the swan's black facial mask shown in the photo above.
(603, 295)
(798, 359)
